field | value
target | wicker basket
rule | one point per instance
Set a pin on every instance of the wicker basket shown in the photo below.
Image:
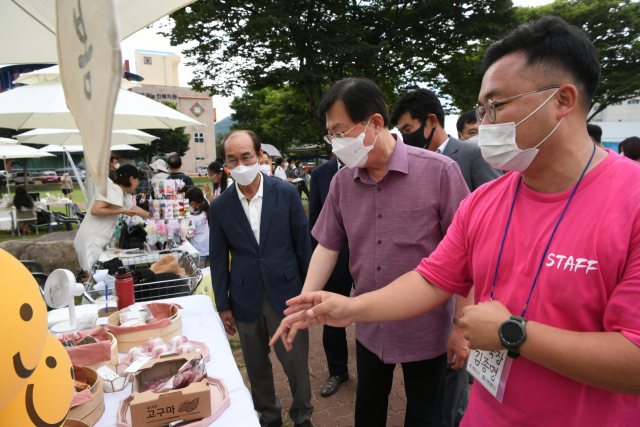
(90, 412)
(127, 341)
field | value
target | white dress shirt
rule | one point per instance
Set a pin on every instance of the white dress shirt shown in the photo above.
(253, 208)
(440, 149)
(280, 173)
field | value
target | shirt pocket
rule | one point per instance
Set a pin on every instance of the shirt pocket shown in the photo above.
(411, 226)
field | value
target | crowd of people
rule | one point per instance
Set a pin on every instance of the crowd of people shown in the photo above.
(511, 239)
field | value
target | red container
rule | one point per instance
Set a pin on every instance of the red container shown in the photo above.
(124, 288)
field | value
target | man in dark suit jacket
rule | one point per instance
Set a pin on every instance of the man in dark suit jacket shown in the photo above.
(420, 118)
(260, 221)
(333, 339)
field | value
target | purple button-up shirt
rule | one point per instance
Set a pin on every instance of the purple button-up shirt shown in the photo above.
(391, 226)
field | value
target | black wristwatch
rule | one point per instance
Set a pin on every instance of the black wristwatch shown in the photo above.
(512, 335)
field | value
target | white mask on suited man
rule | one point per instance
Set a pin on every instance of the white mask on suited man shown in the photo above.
(498, 144)
(244, 175)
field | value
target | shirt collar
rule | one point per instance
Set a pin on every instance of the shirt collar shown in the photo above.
(258, 194)
(443, 146)
(399, 161)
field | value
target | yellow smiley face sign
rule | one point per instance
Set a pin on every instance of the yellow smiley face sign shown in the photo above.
(45, 400)
(24, 326)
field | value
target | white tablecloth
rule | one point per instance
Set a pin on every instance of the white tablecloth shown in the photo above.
(200, 322)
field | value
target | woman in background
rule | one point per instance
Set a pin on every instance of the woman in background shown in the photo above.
(25, 208)
(199, 208)
(66, 184)
(219, 176)
(630, 148)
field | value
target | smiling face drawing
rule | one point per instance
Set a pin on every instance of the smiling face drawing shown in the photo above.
(24, 320)
(45, 400)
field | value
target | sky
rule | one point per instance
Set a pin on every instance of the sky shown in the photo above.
(149, 39)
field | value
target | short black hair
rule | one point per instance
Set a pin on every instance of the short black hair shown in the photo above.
(630, 147)
(552, 43)
(467, 118)
(279, 161)
(361, 97)
(174, 161)
(112, 159)
(124, 173)
(256, 141)
(419, 103)
(595, 132)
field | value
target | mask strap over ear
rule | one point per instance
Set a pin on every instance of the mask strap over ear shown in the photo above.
(534, 111)
(554, 129)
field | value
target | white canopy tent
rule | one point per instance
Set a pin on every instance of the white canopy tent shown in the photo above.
(43, 105)
(35, 20)
(52, 74)
(10, 151)
(80, 148)
(72, 137)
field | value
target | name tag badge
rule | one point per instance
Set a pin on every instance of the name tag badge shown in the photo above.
(491, 369)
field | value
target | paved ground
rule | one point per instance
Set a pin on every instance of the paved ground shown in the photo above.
(337, 410)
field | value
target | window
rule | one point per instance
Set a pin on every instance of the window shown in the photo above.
(617, 103)
(147, 60)
(198, 137)
(633, 101)
(200, 159)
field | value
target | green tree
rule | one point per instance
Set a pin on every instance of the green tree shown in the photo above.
(614, 28)
(170, 141)
(307, 44)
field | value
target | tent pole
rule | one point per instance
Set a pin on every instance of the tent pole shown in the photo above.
(75, 171)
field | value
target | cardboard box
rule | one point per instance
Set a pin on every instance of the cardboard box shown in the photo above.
(150, 409)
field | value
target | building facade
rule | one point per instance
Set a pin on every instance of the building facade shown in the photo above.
(624, 111)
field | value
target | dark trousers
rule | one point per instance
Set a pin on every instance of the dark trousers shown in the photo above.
(422, 383)
(455, 396)
(334, 340)
(302, 188)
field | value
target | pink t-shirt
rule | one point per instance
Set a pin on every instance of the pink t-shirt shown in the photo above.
(589, 282)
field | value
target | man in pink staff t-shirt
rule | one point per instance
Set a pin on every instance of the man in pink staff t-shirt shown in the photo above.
(552, 248)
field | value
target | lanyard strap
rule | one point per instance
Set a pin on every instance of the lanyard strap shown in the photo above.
(535, 280)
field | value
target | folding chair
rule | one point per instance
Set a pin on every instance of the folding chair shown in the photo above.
(14, 212)
(65, 220)
(10, 220)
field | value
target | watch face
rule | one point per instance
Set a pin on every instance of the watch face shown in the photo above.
(511, 332)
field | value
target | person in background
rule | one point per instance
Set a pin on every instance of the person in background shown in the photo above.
(261, 223)
(279, 172)
(265, 164)
(334, 340)
(25, 208)
(199, 208)
(420, 117)
(630, 148)
(551, 249)
(467, 126)
(99, 224)
(160, 169)
(595, 133)
(301, 173)
(66, 185)
(393, 203)
(175, 166)
(220, 179)
(113, 167)
(144, 186)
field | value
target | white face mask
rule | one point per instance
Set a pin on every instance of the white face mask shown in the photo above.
(191, 209)
(499, 148)
(351, 151)
(286, 165)
(245, 175)
(265, 168)
(117, 165)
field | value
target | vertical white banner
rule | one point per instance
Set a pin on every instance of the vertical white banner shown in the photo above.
(91, 69)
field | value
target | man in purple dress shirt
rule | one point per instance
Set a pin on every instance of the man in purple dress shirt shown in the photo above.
(394, 210)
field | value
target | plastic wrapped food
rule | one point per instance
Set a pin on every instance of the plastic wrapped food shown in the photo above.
(200, 371)
(176, 341)
(87, 340)
(136, 352)
(159, 350)
(68, 343)
(185, 348)
(154, 384)
(80, 386)
(154, 342)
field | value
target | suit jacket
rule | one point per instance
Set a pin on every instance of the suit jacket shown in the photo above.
(279, 263)
(320, 182)
(475, 169)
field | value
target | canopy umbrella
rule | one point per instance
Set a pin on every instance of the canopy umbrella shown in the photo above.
(43, 105)
(52, 74)
(16, 151)
(37, 19)
(71, 137)
(4, 141)
(80, 148)
(271, 150)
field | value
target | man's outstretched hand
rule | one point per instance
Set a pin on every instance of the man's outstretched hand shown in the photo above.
(311, 309)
